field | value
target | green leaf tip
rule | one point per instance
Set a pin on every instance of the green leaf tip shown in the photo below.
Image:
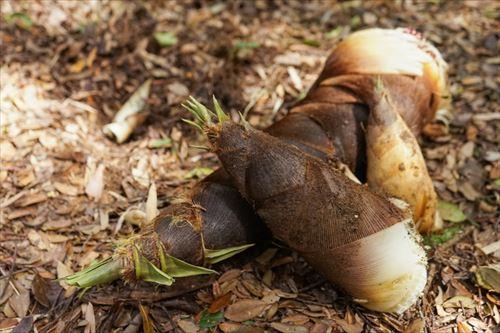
(192, 123)
(160, 143)
(451, 212)
(179, 268)
(165, 39)
(22, 19)
(171, 268)
(146, 271)
(221, 116)
(101, 272)
(245, 45)
(436, 239)
(215, 256)
(209, 320)
(202, 115)
(199, 172)
(379, 86)
(244, 122)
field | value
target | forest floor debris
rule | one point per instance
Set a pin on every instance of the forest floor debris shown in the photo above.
(68, 67)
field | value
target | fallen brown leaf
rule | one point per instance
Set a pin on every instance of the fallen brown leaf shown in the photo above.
(57, 224)
(228, 327)
(463, 327)
(245, 310)
(8, 323)
(187, 326)
(46, 291)
(20, 302)
(220, 303)
(459, 302)
(284, 328)
(319, 327)
(297, 319)
(24, 326)
(488, 277)
(416, 326)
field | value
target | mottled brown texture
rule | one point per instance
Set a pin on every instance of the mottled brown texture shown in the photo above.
(298, 129)
(180, 239)
(412, 95)
(228, 219)
(217, 218)
(343, 125)
(278, 179)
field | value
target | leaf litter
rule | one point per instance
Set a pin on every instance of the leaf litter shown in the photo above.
(68, 67)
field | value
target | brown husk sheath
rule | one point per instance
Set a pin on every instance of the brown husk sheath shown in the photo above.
(277, 179)
(356, 238)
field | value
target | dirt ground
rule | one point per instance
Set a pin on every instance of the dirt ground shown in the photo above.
(68, 66)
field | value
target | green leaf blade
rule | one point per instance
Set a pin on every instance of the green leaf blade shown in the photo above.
(100, 272)
(179, 268)
(311, 42)
(22, 19)
(334, 33)
(447, 234)
(165, 39)
(451, 212)
(199, 172)
(160, 143)
(215, 256)
(221, 116)
(245, 45)
(146, 271)
(488, 277)
(209, 320)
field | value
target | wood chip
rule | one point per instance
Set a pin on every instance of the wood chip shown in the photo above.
(57, 224)
(95, 185)
(491, 248)
(66, 188)
(31, 199)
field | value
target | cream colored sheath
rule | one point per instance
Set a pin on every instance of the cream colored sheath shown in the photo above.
(385, 271)
(396, 165)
